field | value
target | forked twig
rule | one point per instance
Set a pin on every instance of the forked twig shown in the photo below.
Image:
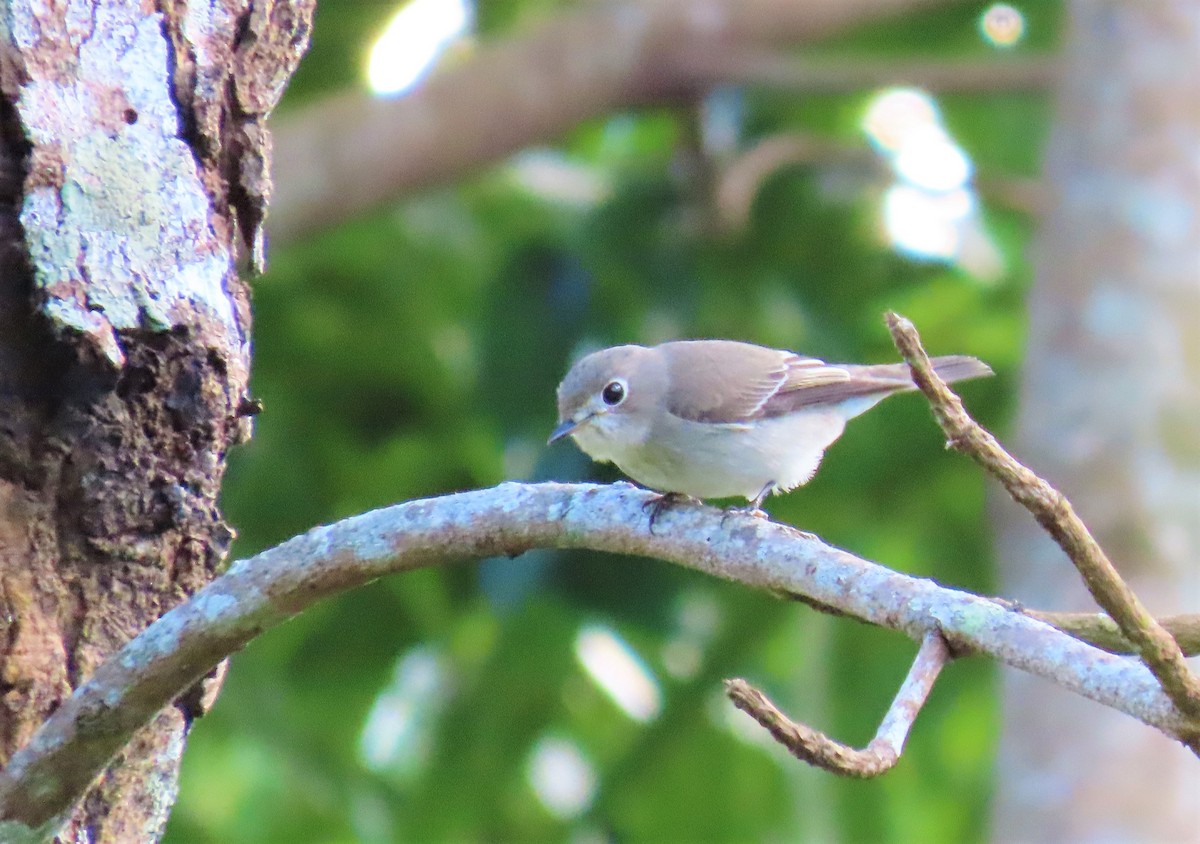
(1153, 644)
(816, 748)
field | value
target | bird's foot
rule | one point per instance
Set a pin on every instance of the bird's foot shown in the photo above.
(659, 504)
(752, 510)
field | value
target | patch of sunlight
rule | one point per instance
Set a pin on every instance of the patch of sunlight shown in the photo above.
(619, 672)
(930, 211)
(697, 617)
(561, 777)
(1002, 25)
(895, 115)
(922, 223)
(410, 45)
(398, 732)
(553, 176)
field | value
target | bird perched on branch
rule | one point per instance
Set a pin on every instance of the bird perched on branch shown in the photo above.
(722, 419)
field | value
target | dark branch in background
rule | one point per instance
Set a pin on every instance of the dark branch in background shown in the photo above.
(818, 749)
(351, 153)
(845, 76)
(1157, 649)
(48, 775)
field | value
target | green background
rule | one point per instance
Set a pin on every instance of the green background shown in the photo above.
(415, 352)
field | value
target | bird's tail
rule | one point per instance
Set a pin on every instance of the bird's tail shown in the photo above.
(950, 368)
(871, 383)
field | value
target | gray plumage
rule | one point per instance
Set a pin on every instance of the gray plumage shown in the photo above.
(719, 418)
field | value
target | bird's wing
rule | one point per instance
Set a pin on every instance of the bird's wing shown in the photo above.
(722, 381)
(857, 381)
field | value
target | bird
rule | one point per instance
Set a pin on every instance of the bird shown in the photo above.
(717, 419)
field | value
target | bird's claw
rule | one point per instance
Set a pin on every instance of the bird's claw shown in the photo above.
(659, 504)
(748, 510)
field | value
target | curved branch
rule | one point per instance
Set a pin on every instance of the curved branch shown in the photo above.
(816, 748)
(353, 152)
(46, 776)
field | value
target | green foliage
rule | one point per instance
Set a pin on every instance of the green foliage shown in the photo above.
(416, 352)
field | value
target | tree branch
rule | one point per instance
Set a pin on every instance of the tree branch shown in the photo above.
(353, 152)
(843, 76)
(46, 776)
(1100, 630)
(1157, 649)
(816, 748)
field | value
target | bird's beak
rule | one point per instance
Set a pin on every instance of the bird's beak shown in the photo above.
(565, 428)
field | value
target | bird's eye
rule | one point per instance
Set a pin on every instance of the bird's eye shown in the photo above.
(613, 393)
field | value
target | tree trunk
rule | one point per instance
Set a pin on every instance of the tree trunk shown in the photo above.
(132, 158)
(1110, 399)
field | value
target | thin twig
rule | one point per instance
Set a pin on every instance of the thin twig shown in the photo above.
(816, 748)
(48, 774)
(1157, 649)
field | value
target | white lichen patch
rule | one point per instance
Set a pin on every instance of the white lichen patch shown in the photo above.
(213, 605)
(203, 24)
(370, 539)
(120, 236)
(159, 639)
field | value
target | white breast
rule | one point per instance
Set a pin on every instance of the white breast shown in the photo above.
(725, 460)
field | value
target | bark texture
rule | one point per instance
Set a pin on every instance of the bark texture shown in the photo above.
(1110, 398)
(132, 158)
